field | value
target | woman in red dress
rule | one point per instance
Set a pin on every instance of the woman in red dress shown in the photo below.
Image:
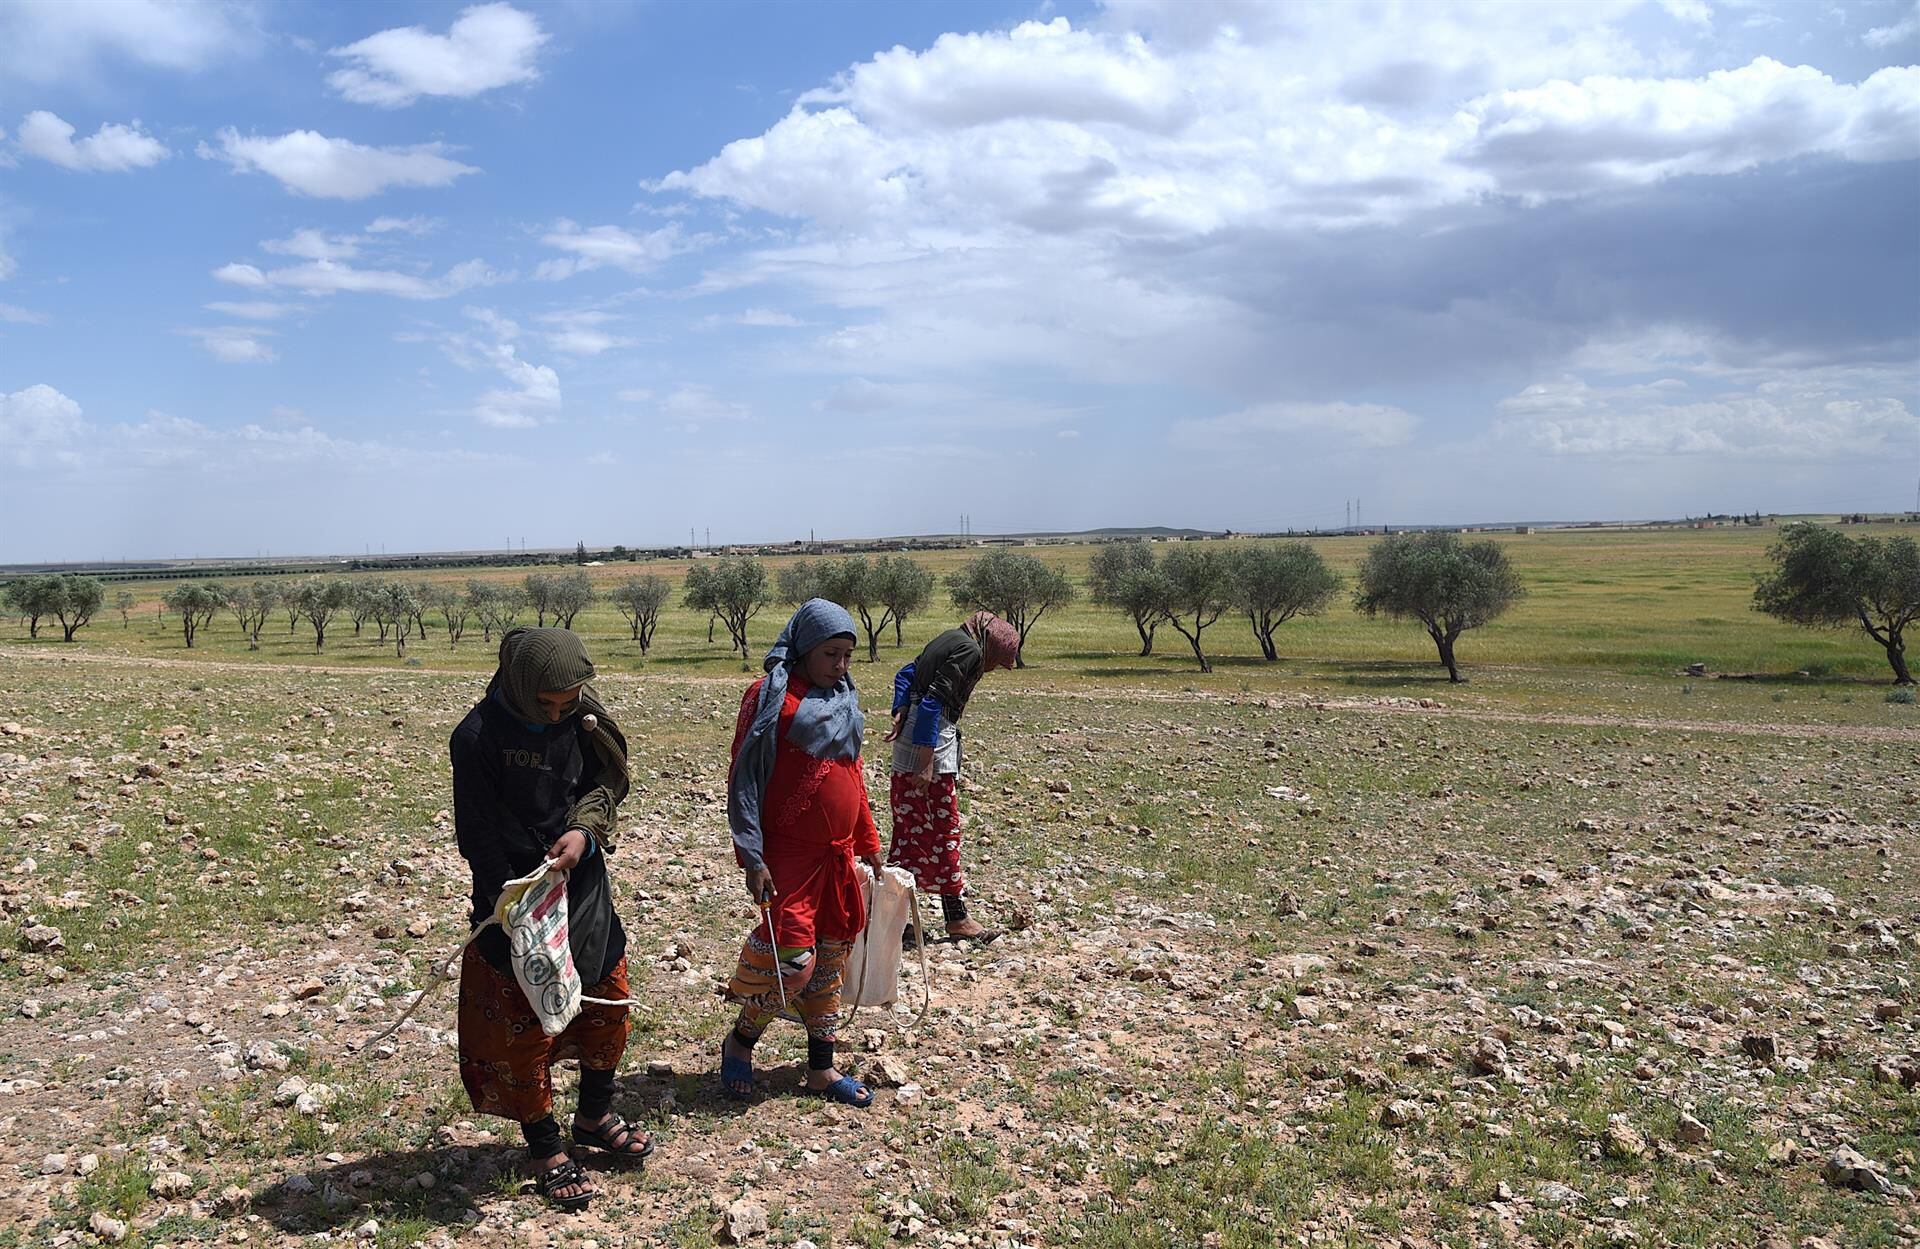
(797, 808)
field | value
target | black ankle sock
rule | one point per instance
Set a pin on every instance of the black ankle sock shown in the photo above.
(543, 1138)
(819, 1054)
(954, 907)
(744, 1042)
(596, 1094)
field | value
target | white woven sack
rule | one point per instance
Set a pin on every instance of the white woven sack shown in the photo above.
(533, 910)
(873, 968)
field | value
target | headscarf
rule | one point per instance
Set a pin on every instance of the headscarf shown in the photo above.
(999, 641)
(536, 661)
(828, 724)
(533, 661)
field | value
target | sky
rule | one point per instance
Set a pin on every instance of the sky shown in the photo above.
(297, 278)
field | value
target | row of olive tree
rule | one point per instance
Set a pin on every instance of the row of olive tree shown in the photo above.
(70, 600)
(886, 591)
(1447, 585)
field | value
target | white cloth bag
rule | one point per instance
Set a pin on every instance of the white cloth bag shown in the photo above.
(873, 968)
(533, 910)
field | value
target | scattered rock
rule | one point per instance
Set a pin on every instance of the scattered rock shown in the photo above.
(887, 1073)
(170, 1184)
(54, 1164)
(1400, 1112)
(420, 927)
(266, 1056)
(1847, 1168)
(309, 989)
(107, 1228)
(1305, 1009)
(42, 939)
(1554, 1193)
(1622, 1139)
(289, 1090)
(1690, 1131)
(743, 1221)
(1488, 1055)
(232, 1200)
(316, 1098)
(1286, 904)
(1762, 1047)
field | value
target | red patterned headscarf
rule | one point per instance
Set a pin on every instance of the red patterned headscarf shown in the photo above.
(999, 641)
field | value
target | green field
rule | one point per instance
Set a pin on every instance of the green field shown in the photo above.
(1326, 951)
(1639, 605)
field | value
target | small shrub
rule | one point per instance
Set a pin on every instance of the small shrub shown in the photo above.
(1903, 696)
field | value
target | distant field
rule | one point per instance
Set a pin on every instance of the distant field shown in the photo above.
(1638, 605)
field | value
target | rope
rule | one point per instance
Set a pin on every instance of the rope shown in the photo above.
(449, 968)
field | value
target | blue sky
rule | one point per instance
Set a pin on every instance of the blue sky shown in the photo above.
(300, 278)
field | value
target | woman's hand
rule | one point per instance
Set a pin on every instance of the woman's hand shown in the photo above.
(760, 885)
(874, 864)
(568, 851)
(923, 774)
(899, 722)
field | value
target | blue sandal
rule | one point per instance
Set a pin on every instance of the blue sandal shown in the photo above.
(736, 1076)
(847, 1091)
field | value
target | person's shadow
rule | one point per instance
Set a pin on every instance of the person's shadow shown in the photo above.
(386, 1187)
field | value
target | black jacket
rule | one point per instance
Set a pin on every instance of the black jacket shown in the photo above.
(513, 784)
(948, 669)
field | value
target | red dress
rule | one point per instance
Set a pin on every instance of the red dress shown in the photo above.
(815, 821)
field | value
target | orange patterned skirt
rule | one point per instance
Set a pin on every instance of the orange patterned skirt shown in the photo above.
(506, 1061)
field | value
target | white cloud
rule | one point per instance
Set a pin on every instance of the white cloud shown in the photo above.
(1899, 32)
(488, 46)
(1571, 138)
(238, 274)
(22, 316)
(531, 396)
(311, 244)
(48, 41)
(331, 277)
(691, 406)
(595, 246)
(1701, 406)
(1368, 425)
(112, 148)
(309, 163)
(236, 344)
(582, 333)
(407, 225)
(1691, 12)
(252, 310)
(37, 423)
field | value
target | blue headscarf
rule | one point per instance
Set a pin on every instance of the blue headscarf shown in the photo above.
(828, 724)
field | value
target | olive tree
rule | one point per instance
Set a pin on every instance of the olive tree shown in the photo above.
(453, 606)
(321, 600)
(1124, 575)
(1274, 582)
(1014, 586)
(251, 603)
(639, 601)
(851, 583)
(396, 604)
(1449, 586)
(796, 583)
(123, 603)
(903, 586)
(495, 606)
(1822, 578)
(734, 590)
(196, 604)
(569, 595)
(1197, 584)
(33, 598)
(74, 606)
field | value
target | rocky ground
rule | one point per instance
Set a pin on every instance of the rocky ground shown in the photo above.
(1279, 970)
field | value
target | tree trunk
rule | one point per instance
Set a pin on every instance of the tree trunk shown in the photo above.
(319, 636)
(68, 630)
(1145, 631)
(896, 631)
(33, 626)
(1445, 642)
(1897, 656)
